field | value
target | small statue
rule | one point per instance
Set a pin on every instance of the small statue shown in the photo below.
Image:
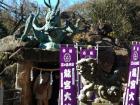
(52, 28)
(51, 34)
(86, 68)
(36, 35)
(106, 88)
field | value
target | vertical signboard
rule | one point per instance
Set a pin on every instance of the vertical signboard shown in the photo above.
(68, 91)
(132, 90)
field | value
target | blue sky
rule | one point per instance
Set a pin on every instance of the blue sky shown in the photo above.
(68, 2)
(63, 3)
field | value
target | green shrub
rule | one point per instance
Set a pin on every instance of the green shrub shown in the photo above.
(115, 13)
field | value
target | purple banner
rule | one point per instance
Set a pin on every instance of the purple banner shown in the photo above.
(131, 96)
(68, 91)
(88, 53)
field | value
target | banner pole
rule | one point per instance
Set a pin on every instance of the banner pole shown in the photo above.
(78, 78)
(97, 52)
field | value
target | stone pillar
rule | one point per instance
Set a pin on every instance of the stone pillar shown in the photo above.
(25, 83)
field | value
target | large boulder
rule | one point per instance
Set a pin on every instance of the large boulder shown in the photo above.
(11, 44)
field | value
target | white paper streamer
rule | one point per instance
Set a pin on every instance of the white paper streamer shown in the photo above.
(31, 75)
(41, 79)
(51, 78)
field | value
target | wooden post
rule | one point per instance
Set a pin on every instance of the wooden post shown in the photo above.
(25, 83)
(1, 92)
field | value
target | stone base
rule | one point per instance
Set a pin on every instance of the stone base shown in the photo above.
(104, 104)
(98, 104)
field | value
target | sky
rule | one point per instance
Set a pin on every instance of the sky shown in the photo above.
(68, 2)
(63, 3)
